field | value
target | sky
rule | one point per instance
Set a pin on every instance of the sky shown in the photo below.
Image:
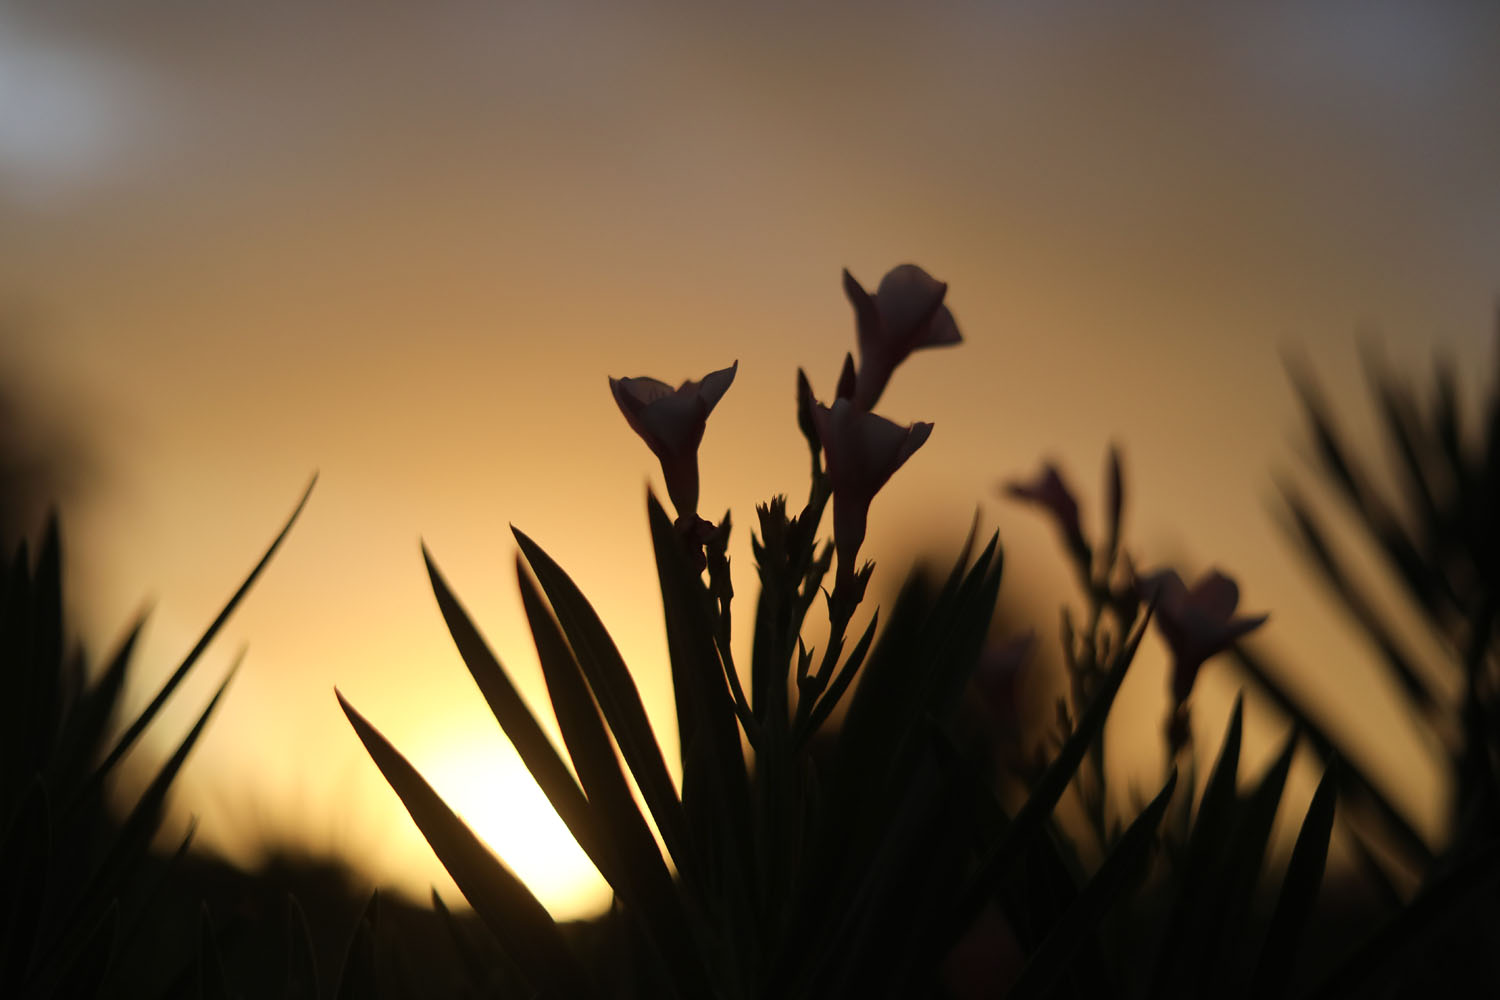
(405, 249)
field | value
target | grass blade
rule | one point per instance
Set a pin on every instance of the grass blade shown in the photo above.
(135, 729)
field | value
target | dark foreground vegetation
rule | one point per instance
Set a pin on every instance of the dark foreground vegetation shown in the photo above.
(876, 818)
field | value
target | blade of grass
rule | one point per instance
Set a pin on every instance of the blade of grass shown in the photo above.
(134, 837)
(134, 730)
(521, 924)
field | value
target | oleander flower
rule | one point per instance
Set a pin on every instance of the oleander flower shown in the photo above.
(671, 422)
(1197, 623)
(906, 313)
(863, 452)
(1048, 490)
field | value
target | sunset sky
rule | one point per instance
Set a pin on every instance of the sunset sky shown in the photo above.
(406, 248)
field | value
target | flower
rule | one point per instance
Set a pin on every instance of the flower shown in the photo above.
(671, 422)
(906, 313)
(1196, 623)
(864, 451)
(1049, 491)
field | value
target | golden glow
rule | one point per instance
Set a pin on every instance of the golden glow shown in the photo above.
(505, 807)
(412, 265)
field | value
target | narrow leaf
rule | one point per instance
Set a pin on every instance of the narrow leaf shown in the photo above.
(618, 698)
(521, 727)
(518, 921)
(643, 881)
(144, 719)
(1113, 879)
(1299, 892)
(301, 956)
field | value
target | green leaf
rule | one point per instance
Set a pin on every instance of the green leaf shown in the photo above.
(135, 729)
(1114, 878)
(643, 881)
(518, 921)
(619, 700)
(1299, 892)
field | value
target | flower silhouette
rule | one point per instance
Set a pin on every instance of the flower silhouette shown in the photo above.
(1050, 491)
(863, 450)
(1196, 623)
(905, 313)
(671, 422)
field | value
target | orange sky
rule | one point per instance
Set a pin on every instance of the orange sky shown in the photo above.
(406, 250)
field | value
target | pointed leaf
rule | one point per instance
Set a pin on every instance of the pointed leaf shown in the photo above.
(134, 837)
(643, 881)
(301, 956)
(619, 700)
(519, 922)
(521, 728)
(1299, 892)
(1113, 879)
(144, 719)
(358, 979)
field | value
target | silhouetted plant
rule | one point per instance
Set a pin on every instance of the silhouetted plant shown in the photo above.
(797, 873)
(1440, 547)
(74, 888)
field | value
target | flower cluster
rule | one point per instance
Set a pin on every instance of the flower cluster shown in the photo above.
(863, 449)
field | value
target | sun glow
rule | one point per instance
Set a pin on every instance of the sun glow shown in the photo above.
(503, 805)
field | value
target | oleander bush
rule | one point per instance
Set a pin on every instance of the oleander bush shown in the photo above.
(799, 858)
